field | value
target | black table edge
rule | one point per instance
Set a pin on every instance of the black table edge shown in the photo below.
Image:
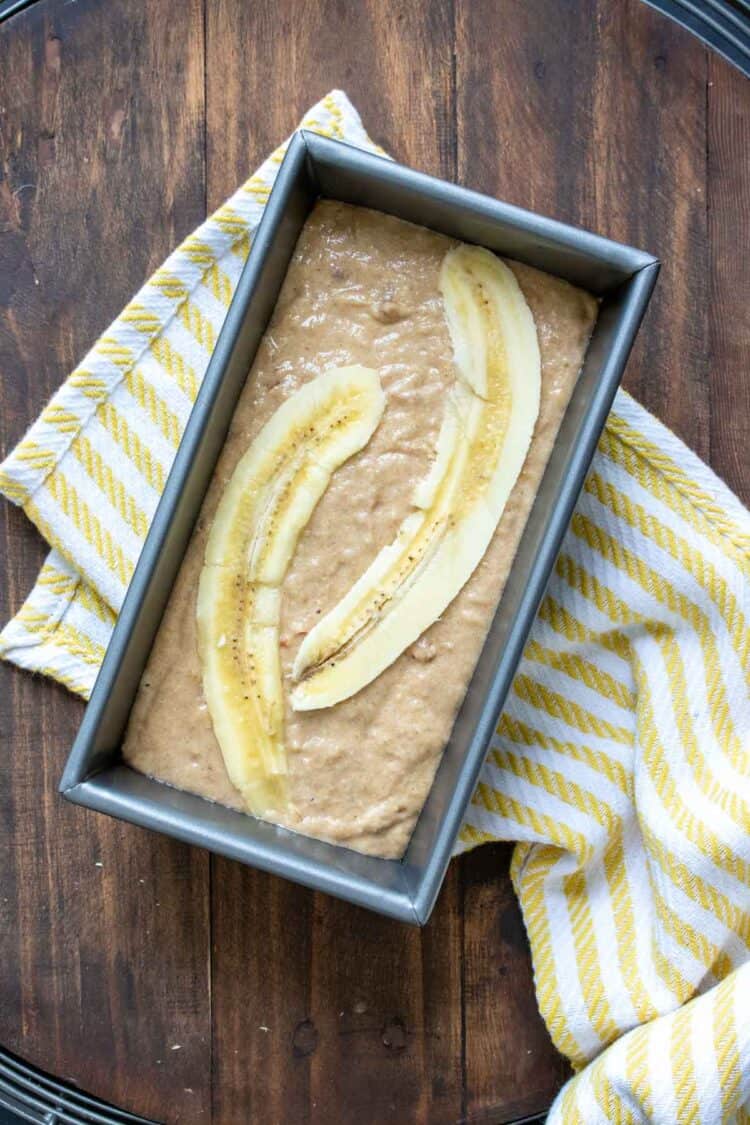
(31, 1095)
(723, 25)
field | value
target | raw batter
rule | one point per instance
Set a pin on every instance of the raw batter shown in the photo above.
(362, 287)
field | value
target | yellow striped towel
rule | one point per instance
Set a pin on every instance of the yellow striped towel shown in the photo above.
(622, 762)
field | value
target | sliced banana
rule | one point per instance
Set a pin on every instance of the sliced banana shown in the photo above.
(485, 435)
(266, 504)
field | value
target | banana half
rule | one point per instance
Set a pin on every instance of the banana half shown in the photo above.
(486, 431)
(264, 507)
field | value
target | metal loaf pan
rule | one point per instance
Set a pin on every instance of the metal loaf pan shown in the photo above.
(621, 276)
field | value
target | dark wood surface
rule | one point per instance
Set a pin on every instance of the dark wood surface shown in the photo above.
(188, 988)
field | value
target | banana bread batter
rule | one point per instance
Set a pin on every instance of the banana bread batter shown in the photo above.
(362, 287)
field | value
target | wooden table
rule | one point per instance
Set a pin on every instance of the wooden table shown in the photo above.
(185, 987)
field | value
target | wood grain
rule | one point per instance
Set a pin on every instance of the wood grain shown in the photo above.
(103, 928)
(593, 112)
(651, 191)
(268, 63)
(119, 123)
(506, 1044)
(729, 282)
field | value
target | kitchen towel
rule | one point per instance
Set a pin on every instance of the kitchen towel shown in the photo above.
(622, 761)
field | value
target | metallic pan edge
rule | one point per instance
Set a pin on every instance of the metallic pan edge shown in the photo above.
(622, 276)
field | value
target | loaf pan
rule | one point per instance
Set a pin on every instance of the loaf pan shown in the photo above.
(622, 277)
